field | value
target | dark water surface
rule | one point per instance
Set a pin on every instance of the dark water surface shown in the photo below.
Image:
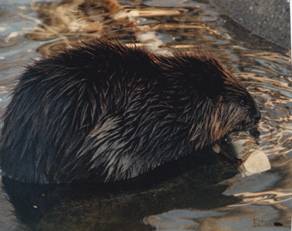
(207, 197)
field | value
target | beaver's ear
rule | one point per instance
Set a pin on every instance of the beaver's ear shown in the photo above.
(209, 84)
(204, 74)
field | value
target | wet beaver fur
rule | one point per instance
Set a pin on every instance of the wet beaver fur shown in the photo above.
(106, 111)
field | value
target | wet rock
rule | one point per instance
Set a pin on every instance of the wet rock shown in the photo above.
(257, 162)
(267, 18)
(254, 160)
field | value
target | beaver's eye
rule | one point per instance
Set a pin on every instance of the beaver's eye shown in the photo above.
(242, 102)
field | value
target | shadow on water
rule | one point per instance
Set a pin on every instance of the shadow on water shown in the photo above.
(122, 206)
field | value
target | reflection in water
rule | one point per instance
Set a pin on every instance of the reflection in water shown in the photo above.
(197, 199)
(122, 206)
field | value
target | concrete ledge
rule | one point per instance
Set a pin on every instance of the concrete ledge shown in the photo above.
(269, 19)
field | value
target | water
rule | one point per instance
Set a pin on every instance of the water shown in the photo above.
(197, 197)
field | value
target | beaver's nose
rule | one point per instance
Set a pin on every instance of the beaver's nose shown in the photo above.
(257, 116)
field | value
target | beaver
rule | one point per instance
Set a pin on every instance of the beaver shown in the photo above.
(111, 112)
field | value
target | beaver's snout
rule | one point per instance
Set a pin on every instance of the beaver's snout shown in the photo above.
(249, 122)
(253, 131)
(253, 120)
(254, 116)
(257, 116)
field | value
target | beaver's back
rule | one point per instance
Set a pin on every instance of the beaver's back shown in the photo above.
(96, 111)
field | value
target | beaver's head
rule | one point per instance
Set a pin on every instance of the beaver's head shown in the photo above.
(220, 104)
(233, 110)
